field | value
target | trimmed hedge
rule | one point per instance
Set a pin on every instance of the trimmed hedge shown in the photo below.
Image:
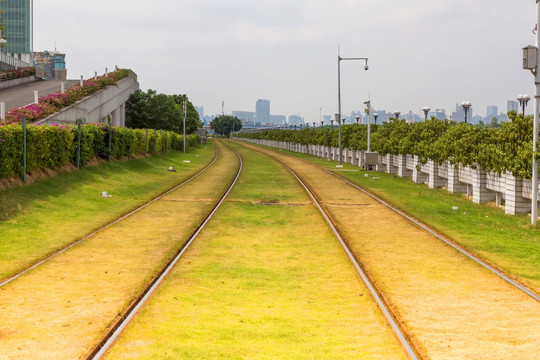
(508, 148)
(53, 146)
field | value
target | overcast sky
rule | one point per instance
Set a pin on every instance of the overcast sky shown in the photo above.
(421, 52)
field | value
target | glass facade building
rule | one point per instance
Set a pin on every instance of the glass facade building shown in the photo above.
(17, 18)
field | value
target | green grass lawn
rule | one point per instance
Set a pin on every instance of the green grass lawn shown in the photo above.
(265, 280)
(38, 219)
(508, 242)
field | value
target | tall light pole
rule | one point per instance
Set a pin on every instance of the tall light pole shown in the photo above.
(523, 100)
(357, 117)
(426, 110)
(531, 61)
(375, 116)
(339, 98)
(368, 113)
(466, 105)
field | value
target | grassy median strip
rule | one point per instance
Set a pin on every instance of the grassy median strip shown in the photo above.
(62, 308)
(265, 280)
(450, 306)
(38, 219)
(508, 242)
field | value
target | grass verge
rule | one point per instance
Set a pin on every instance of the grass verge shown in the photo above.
(508, 242)
(39, 219)
(265, 280)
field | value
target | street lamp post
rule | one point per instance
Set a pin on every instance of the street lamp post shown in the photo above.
(397, 113)
(339, 98)
(531, 61)
(322, 123)
(466, 105)
(426, 110)
(523, 100)
(314, 124)
(357, 117)
(375, 116)
(332, 124)
(343, 121)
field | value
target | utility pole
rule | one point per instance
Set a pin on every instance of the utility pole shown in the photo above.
(535, 69)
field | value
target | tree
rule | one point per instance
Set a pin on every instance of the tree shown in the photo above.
(192, 119)
(225, 124)
(159, 111)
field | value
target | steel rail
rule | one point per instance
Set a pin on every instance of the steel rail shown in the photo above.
(41, 262)
(412, 352)
(442, 238)
(119, 327)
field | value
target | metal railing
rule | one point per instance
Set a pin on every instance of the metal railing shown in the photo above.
(11, 61)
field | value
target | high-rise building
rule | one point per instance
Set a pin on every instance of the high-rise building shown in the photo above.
(492, 112)
(53, 64)
(512, 105)
(262, 111)
(440, 114)
(17, 18)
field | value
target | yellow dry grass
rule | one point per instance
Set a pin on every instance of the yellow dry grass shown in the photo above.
(452, 307)
(60, 310)
(261, 282)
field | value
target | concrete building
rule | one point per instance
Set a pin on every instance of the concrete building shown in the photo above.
(53, 64)
(440, 114)
(262, 111)
(17, 17)
(512, 105)
(492, 112)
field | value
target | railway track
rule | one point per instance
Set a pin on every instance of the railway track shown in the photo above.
(136, 305)
(123, 217)
(423, 341)
(447, 241)
(375, 293)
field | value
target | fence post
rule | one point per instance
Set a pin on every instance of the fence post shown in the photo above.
(146, 143)
(24, 149)
(109, 120)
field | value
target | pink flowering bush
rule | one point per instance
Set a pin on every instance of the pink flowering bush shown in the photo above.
(50, 104)
(17, 74)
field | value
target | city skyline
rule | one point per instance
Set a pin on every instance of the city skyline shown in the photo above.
(421, 53)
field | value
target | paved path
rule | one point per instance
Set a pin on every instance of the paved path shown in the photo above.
(24, 94)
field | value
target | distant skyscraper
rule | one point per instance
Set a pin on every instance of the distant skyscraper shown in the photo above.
(17, 18)
(262, 111)
(200, 111)
(440, 114)
(512, 105)
(492, 111)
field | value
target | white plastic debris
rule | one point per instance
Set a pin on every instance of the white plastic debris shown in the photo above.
(339, 166)
(105, 194)
(187, 161)
(455, 208)
(366, 175)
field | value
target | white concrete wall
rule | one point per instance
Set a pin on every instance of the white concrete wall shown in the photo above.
(477, 183)
(97, 107)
